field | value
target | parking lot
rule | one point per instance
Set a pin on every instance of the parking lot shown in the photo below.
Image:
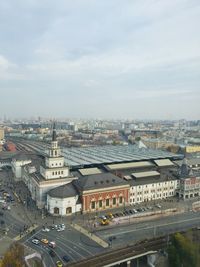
(139, 210)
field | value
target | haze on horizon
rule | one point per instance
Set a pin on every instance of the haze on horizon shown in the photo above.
(136, 59)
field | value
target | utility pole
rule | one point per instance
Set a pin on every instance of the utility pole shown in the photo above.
(154, 231)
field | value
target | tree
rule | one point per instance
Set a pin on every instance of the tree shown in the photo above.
(182, 252)
(14, 256)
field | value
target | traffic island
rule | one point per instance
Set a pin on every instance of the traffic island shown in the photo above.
(92, 236)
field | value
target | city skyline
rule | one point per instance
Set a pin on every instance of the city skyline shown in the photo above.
(100, 59)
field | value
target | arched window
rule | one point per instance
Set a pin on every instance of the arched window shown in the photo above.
(56, 210)
(68, 210)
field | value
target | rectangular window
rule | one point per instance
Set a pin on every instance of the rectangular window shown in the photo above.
(100, 203)
(114, 201)
(107, 202)
(120, 200)
(93, 204)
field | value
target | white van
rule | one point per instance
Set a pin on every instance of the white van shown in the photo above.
(52, 244)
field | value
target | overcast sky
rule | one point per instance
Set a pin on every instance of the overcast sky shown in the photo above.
(136, 59)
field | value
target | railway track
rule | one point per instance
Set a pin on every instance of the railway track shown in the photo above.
(120, 254)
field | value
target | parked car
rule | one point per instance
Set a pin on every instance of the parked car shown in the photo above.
(104, 222)
(62, 225)
(103, 217)
(158, 206)
(60, 229)
(45, 229)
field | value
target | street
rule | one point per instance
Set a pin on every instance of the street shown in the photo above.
(131, 233)
(68, 242)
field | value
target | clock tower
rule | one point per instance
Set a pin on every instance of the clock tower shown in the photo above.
(54, 167)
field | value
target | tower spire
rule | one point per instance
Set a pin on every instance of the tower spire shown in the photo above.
(54, 132)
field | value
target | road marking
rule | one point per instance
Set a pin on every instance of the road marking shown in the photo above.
(64, 250)
(155, 226)
(80, 246)
(41, 253)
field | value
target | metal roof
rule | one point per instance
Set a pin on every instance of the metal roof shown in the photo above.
(112, 154)
(130, 165)
(163, 162)
(145, 174)
(89, 171)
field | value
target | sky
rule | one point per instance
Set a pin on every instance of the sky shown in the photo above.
(112, 59)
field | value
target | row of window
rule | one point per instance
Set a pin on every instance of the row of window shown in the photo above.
(53, 154)
(56, 164)
(67, 210)
(171, 182)
(153, 197)
(107, 202)
(151, 191)
(57, 173)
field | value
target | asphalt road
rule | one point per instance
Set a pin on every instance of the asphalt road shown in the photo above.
(68, 242)
(8, 219)
(131, 233)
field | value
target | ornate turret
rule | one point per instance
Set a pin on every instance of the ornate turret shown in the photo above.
(54, 132)
(54, 166)
(184, 169)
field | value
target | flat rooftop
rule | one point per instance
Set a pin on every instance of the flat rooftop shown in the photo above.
(87, 156)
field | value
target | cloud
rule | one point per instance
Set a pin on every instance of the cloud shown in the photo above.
(140, 51)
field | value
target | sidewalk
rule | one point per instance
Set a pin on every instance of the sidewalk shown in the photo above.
(90, 235)
(28, 231)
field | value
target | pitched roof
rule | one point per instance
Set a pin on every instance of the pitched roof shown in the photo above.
(103, 180)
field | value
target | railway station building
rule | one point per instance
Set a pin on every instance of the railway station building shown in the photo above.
(92, 179)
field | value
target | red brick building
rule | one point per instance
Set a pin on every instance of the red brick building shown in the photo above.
(102, 191)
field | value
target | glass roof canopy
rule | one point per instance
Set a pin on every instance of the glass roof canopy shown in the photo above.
(112, 154)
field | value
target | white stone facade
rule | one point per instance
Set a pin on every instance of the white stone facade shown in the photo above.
(17, 167)
(153, 191)
(63, 206)
(52, 173)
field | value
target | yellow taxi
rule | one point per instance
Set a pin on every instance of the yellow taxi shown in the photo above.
(44, 241)
(59, 264)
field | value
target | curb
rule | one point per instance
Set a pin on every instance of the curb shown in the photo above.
(93, 237)
(29, 230)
